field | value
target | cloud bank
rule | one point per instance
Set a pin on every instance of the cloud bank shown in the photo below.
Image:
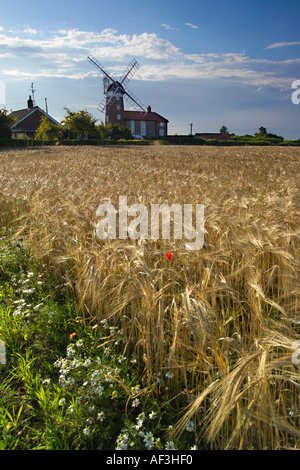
(63, 53)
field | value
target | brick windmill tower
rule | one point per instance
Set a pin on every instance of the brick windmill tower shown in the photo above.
(115, 92)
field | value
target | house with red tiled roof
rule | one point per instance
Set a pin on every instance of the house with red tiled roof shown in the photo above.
(27, 120)
(146, 125)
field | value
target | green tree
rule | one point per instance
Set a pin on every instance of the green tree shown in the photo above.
(81, 124)
(117, 132)
(262, 132)
(102, 131)
(274, 136)
(5, 123)
(224, 130)
(113, 131)
(48, 130)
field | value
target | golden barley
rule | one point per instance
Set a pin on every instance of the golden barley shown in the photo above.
(222, 321)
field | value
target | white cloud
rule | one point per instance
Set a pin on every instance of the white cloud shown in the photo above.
(59, 74)
(193, 26)
(283, 44)
(146, 45)
(63, 54)
(212, 70)
(29, 30)
(167, 26)
(107, 44)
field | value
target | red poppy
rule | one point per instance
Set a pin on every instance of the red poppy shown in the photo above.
(169, 255)
(72, 335)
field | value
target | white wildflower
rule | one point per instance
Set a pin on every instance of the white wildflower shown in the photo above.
(170, 375)
(141, 417)
(135, 403)
(101, 416)
(149, 440)
(170, 445)
(190, 426)
(87, 431)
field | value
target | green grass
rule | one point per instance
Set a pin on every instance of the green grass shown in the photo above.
(67, 383)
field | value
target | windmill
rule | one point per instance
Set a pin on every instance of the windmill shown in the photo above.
(115, 91)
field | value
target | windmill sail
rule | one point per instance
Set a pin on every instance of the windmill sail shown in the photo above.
(112, 87)
(100, 67)
(129, 72)
(131, 98)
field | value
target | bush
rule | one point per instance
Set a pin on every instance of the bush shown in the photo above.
(5, 123)
(48, 130)
(116, 132)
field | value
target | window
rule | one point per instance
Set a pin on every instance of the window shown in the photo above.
(161, 132)
(107, 118)
(132, 127)
(143, 128)
(118, 107)
(161, 124)
(119, 117)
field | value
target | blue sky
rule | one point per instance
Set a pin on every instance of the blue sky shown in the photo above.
(203, 62)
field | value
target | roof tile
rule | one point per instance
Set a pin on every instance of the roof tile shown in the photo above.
(139, 116)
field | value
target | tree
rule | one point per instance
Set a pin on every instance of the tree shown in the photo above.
(117, 132)
(101, 130)
(81, 123)
(48, 130)
(114, 132)
(5, 123)
(224, 130)
(262, 132)
(274, 136)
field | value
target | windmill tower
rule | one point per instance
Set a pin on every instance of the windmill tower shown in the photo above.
(115, 92)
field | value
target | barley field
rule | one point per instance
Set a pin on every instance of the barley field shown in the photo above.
(217, 325)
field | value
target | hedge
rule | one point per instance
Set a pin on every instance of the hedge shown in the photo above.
(168, 140)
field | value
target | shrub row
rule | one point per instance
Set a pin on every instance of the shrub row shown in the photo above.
(35, 143)
(168, 140)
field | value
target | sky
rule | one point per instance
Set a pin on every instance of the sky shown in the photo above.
(201, 62)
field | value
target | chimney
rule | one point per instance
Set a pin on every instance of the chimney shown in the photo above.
(149, 109)
(30, 103)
